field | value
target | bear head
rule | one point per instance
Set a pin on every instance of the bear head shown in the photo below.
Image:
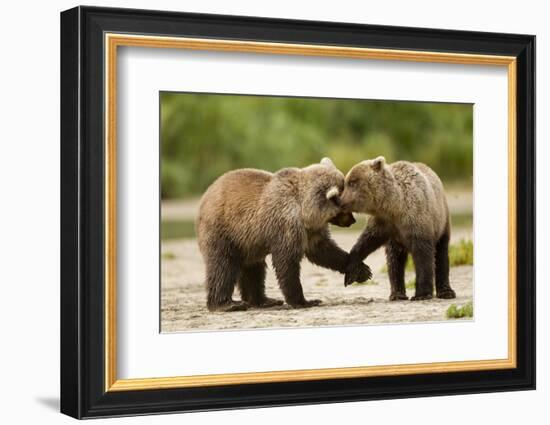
(321, 187)
(367, 186)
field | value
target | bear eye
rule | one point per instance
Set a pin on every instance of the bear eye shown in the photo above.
(352, 183)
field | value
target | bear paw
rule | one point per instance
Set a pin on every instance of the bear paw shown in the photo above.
(359, 272)
(398, 296)
(306, 304)
(230, 306)
(446, 294)
(269, 302)
(422, 297)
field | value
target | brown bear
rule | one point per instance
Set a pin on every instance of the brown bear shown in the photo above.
(408, 214)
(247, 214)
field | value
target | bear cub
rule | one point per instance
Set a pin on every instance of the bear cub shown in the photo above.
(408, 214)
(247, 214)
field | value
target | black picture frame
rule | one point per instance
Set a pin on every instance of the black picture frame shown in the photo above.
(83, 392)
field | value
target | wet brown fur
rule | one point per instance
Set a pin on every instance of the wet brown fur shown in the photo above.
(408, 214)
(247, 214)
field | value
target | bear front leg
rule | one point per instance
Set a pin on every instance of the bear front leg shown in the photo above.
(252, 286)
(423, 254)
(287, 270)
(396, 259)
(323, 251)
(373, 237)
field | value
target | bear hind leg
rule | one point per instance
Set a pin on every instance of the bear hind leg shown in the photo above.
(442, 286)
(221, 276)
(252, 286)
(396, 258)
(423, 253)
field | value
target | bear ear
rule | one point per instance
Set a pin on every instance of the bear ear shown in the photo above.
(333, 192)
(327, 162)
(378, 163)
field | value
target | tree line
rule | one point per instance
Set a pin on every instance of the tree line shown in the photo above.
(205, 135)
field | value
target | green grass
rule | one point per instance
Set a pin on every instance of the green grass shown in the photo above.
(454, 312)
(461, 253)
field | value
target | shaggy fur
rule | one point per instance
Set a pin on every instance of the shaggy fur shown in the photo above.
(247, 214)
(409, 214)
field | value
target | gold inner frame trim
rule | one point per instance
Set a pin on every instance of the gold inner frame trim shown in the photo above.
(113, 41)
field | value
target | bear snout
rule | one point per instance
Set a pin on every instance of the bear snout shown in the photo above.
(343, 219)
(346, 203)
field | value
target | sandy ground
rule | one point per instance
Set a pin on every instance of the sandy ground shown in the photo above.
(183, 295)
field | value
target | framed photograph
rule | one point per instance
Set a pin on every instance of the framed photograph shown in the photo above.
(260, 212)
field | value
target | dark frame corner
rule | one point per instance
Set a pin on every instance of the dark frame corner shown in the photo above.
(82, 216)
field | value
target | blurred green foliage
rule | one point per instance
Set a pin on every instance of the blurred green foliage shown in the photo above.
(461, 253)
(205, 135)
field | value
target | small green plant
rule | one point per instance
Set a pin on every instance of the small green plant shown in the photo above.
(411, 284)
(168, 255)
(461, 253)
(454, 312)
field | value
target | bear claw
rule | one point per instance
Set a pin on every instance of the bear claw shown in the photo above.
(422, 297)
